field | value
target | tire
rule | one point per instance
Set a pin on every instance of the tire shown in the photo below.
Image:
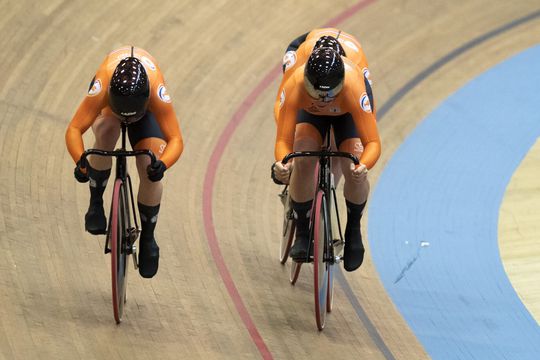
(320, 271)
(287, 235)
(119, 256)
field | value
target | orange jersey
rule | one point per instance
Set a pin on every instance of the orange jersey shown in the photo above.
(97, 101)
(352, 99)
(294, 59)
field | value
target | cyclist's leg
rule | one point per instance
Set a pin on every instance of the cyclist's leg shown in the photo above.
(310, 131)
(106, 130)
(355, 192)
(145, 134)
(336, 164)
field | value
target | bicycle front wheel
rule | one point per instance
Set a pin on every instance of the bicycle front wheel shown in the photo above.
(119, 254)
(320, 271)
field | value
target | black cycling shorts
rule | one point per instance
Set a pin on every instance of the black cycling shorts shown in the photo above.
(146, 127)
(343, 125)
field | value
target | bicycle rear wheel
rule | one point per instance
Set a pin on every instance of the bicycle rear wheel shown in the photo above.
(119, 254)
(289, 226)
(320, 271)
(330, 293)
(295, 271)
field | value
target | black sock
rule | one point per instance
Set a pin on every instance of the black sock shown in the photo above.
(302, 215)
(98, 182)
(149, 215)
(354, 214)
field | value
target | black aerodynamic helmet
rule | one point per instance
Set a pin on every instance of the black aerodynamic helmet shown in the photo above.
(129, 90)
(328, 41)
(324, 73)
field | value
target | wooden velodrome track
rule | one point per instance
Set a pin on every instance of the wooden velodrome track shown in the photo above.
(219, 268)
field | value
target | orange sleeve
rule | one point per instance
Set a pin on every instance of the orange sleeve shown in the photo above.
(366, 123)
(161, 106)
(292, 61)
(286, 128)
(277, 102)
(86, 114)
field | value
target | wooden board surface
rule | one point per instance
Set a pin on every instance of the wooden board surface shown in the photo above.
(519, 231)
(55, 282)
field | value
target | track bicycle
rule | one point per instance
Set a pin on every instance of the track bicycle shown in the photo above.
(327, 249)
(123, 228)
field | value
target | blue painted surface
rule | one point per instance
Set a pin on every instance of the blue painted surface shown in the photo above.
(433, 218)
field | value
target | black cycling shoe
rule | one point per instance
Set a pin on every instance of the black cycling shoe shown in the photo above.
(299, 251)
(148, 258)
(354, 249)
(95, 221)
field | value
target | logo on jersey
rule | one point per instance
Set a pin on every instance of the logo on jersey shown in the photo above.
(162, 94)
(282, 99)
(149, 63)
(289, 59)
(95, 89)
(364, 103)
(313, 108)
(335, 109)
(367, 75)
(352, 45)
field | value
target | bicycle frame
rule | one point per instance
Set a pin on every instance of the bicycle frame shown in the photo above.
(121, 168)
(325, 179)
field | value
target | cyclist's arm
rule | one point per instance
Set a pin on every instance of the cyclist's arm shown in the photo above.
(295, 44)
(286, 124)
(366, 125)
(86, 114)
(277, 104)
(161, 107)
(291, 61)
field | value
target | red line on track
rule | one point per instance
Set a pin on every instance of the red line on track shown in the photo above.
(210, 177)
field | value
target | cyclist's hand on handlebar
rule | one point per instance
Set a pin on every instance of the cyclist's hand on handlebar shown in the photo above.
(155, 171)
(81, 172)
(281, 172)
(359, 174)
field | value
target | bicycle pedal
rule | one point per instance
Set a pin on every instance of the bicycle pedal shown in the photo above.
(133, 234)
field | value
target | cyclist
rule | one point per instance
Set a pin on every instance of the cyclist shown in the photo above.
(128, 87)
(298, 53)
(328, 91)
